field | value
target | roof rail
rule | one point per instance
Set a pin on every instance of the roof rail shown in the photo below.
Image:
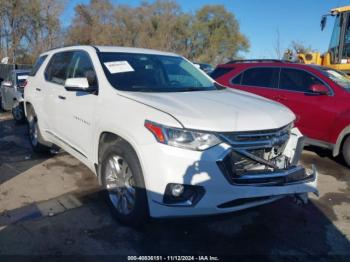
(58, 47)
(259, 61)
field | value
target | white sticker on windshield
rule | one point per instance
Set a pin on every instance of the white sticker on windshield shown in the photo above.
(22, 77)
(116, 67)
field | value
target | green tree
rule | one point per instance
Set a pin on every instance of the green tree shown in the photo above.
(211, 35)
(216, 35)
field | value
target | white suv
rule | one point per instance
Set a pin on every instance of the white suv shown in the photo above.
(163, 138)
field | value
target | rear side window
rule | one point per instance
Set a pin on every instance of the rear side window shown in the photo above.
(262, 77)
(297, 80)
(37, 65)
(21, 78)
(56, 71)
(220, 71)
(237, 80)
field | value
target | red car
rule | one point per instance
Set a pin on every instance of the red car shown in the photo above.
(319, 96)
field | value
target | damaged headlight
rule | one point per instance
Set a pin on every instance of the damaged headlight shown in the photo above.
(193, 140)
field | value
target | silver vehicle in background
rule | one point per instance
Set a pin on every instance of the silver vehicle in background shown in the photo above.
(11, 93)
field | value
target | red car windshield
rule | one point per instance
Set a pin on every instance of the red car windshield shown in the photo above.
(338, 77)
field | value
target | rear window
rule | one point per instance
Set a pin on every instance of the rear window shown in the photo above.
(220, 71)
(37, 65)
(262, 77)
(21, 78)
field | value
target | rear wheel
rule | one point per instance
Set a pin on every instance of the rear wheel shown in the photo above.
(36, 141)
(122, 178)
(18, 113)
(1, 105)
(346, 151)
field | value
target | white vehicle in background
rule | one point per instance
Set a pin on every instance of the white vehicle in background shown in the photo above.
(162, 137)
(11, 93)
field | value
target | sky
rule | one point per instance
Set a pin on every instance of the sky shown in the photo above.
(295, 20)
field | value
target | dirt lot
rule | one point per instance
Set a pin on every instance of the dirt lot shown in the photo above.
(54, 206)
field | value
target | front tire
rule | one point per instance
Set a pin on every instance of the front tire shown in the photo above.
(346, 151)
(122, 177)
(36, 141)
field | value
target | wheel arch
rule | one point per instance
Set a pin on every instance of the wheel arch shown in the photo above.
(105, 138)
(340, 140)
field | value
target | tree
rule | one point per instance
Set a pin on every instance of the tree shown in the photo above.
(28, 27)
(295, 48)
(209, 36)
(216, 35)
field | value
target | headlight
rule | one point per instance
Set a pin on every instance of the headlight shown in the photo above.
(178, 137)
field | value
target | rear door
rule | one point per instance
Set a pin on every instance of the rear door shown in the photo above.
(262, 81)
(314, 112)
(55, 76)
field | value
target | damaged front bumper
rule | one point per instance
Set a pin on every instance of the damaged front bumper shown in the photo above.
(264, 162)
(216, 181)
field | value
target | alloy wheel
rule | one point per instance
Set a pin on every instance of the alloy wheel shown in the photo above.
(120, 184)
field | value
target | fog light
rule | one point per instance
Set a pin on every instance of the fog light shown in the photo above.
(177, 190)
(184, 195)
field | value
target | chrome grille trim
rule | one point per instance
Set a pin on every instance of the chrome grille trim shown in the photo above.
(257, 139)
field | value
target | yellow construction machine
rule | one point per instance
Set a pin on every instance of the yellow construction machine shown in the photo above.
(338, 54)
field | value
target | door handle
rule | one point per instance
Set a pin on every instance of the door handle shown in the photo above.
(62, 97)
(38, 89)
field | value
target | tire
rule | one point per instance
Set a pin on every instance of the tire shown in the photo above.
(346, 151)
(18, 113)
(1, 107)
(36, 141)
(125, 190)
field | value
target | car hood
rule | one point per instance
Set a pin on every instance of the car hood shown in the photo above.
(218, 110)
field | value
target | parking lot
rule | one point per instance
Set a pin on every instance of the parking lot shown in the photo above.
(55, 206)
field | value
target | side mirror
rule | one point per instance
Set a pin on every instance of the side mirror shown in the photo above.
(323, 22)
(319, 89)
(7, 83)
(78, 84)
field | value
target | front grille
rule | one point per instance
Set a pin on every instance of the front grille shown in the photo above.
(256, 157)
(258, 139)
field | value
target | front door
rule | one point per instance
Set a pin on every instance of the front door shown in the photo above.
(76, 109)
(314, 112)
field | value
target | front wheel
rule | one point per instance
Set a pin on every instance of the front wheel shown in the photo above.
(122, 178)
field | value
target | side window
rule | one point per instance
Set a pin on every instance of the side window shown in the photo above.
(220, 71)
(81, 66)
(237, 80)
(56, 71)
(297, 80)
(37, 65)
(262, 77)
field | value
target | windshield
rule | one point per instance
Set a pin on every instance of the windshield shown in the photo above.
(153, 73)
(338, 77)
